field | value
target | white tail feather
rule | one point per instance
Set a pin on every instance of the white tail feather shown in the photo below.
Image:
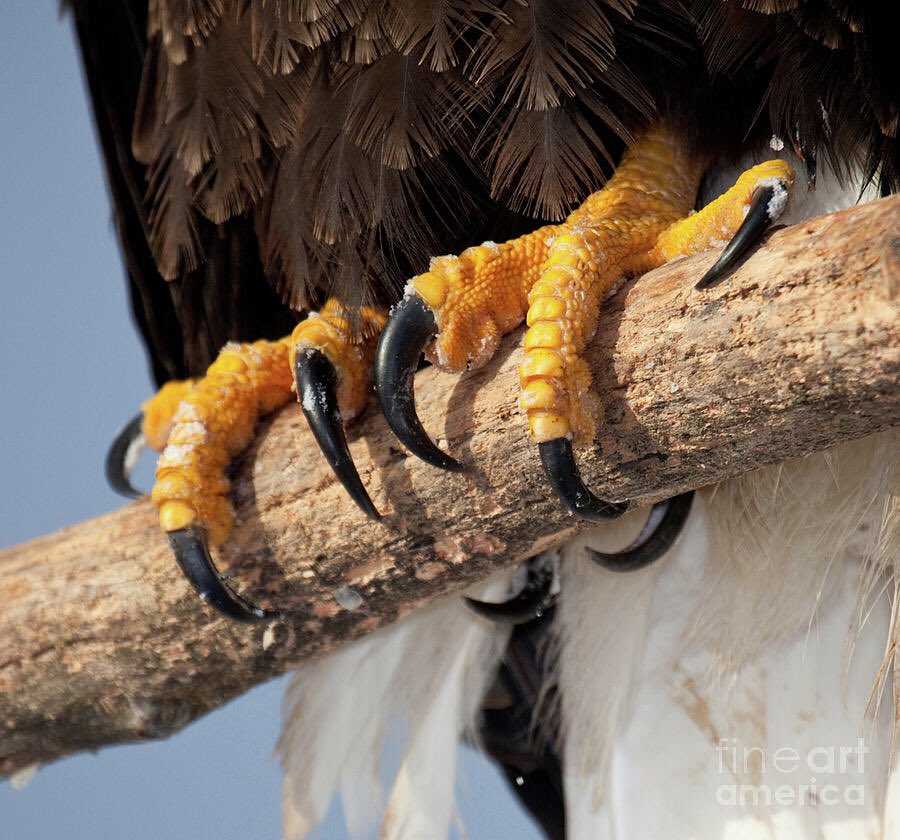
(741, 688)
(430, 671)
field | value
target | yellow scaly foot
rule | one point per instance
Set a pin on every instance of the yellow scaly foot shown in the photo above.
(556, 278)
(201, 425)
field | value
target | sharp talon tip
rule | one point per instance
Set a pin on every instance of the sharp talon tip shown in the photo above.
(408, 331)
(316, 385)
(755, 224)
(662, 528)
(122, 456)
(191, 550)
(562, 472)
(537, 595)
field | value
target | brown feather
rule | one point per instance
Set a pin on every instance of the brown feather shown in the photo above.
(174, 233)
(548, 51)
(354, 137)
(554, 154)
(825, 72)
(182, 24)
(214, 93)
(400, 112)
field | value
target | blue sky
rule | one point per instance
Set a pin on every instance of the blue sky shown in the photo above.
(73, 371)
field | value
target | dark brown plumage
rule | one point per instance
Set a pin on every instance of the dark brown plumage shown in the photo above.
(262, 152)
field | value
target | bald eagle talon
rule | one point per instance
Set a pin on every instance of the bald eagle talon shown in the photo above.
(537, 595)
(316, 383)
(409, 330)
(662, 528)
(191, 550)
(562, 472)
(122, 455)
(758, 220)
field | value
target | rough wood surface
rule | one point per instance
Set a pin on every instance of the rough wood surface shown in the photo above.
(103, 642)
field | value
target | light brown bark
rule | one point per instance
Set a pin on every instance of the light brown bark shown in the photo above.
(102, 641)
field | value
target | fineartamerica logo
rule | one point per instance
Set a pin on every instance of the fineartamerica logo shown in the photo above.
(842, 767)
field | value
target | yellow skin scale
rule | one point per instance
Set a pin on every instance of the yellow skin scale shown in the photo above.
(555, 278)
(204, 424)
(159, 410)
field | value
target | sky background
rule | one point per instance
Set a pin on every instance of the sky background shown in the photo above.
(73, 372)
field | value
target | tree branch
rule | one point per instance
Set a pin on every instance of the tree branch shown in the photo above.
(103, 642)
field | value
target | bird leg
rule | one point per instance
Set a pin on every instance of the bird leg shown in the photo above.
(201, 425)
(556, 279)
(213, 423)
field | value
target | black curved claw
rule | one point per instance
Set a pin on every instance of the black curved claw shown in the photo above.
(659, 533)
(316, 382)
(562, 472)
(755, 224)
(192, 553)
(122, 455)
(409, 329)
(536, 596)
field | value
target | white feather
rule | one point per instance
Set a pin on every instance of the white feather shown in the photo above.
(466, 654)
(601, 622)
(428, 672)
(743, 674)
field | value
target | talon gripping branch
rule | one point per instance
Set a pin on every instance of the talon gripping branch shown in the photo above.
(280, 169)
